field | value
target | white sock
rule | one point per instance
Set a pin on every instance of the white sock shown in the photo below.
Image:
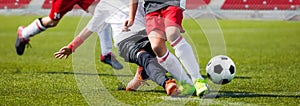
(172, 65)
(105, 41)
(32, 29)
(186, 55)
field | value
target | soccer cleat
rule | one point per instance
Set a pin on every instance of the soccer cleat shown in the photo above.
(171, 88)
(21, 42)
(111, 60)
(201, 87)
(137, 81)
(186, 89)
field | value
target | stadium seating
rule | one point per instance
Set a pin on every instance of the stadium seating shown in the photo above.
(261, 4)
(47, 4)
(191, 4)
(13, 4)
(194, 4)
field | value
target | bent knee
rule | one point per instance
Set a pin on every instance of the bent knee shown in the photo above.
(48, 22)
(172, 33)
(159, 49)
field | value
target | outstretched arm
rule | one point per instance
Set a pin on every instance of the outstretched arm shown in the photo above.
(68, 50)
(133, 4)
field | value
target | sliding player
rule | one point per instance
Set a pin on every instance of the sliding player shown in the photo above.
(133, 46)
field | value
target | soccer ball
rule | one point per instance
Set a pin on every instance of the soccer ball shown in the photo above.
(220, 69)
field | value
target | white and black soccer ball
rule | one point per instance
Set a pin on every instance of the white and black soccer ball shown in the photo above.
(220, 69)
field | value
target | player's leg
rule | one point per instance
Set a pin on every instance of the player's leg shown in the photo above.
(185, 54)
(59, 8)
(106, 45)
(158, 76)
(131, 49)
(37, 26)
(167, 59)
(88, 5)
(157, 73)
(105, 40)
(157, 40)
(171, 63)
(183, 50)
(98, 24)
(138, 80)
(24, 33)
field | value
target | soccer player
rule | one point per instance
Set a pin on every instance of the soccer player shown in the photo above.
(58, 10)
(134, 49)
(132, 46)
(163, 22)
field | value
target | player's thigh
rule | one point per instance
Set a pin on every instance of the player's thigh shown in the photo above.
(155, 29)
(129, 47)
(60, 8)
(85, 4)
(157, 41)
(173, 16)
(154, 21)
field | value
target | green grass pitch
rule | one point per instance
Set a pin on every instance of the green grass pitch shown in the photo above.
(266, 53)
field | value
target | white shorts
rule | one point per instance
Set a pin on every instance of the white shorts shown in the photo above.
(105, 14)
(104, 10)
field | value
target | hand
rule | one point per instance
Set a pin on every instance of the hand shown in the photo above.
(128, 23)
(65, 51)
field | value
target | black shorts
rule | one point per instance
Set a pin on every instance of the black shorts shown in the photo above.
(129, 47)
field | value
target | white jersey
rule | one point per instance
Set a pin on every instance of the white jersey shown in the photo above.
(106, 13)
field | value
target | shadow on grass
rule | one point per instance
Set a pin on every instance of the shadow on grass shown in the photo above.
(235, 77)
(233, 94)
(242, 77)
(121, 87)
(157, 91)
(91, 74)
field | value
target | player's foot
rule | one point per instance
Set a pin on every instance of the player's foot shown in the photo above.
(201, 87)
(21, 42)
(111, 60)
(186, 89)
(171, 88)
(137, 81)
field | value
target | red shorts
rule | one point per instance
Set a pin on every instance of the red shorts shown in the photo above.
(163, 18)
(61, 7)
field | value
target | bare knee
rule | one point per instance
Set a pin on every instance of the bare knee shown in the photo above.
(48, 22)
(172, 33)
(158, 46)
